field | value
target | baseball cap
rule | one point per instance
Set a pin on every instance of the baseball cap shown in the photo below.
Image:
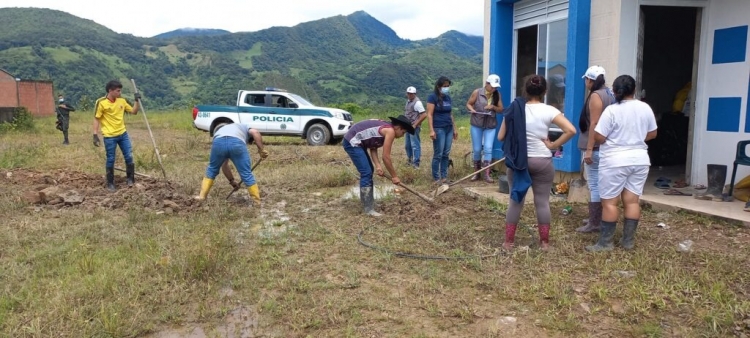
(557, 80)
(411, 90)
(493, 80)
(593, 72)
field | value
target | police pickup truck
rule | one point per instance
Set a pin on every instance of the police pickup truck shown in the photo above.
(277, 112)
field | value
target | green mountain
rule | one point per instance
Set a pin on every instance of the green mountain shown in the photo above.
(341, 59)
(191, 32)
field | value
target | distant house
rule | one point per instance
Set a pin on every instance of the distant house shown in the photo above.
(35, 95)
(663, 44)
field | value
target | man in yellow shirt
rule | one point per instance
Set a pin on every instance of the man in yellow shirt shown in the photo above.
(109, 120)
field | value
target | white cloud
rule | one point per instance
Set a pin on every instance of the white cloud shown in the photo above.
(416, 19)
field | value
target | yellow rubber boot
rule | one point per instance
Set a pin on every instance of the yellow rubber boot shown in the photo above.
(254, 193)
(205, 188)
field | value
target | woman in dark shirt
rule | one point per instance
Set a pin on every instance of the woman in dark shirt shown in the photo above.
(442, 128)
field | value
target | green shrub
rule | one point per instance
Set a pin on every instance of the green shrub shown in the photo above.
(22, 120)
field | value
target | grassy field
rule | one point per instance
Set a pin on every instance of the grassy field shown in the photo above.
(150, 262)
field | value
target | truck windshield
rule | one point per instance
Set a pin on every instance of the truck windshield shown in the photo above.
(301, 101)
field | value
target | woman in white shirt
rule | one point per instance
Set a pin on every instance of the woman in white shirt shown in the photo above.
(528, 153)
(622, 131)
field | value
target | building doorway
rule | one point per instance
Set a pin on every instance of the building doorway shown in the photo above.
(666, 71)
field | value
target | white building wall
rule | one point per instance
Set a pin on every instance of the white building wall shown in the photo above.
(604, 36)
(487, 30)
(717, 81)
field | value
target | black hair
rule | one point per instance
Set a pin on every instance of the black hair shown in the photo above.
(495, 97)
(439, 84)
(585, 120)
(623, 86)
(112, 85)
(536, 86)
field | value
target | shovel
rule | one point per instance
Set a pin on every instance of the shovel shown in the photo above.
(238, 185)
(409, 189)
(444, 187)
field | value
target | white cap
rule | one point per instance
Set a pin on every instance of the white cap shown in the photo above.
(411, 90)
(593, 72)
(493, 80)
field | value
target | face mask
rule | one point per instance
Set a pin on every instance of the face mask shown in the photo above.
(61, 100)
(445, 90)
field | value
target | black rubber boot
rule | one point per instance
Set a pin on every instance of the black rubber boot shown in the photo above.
(111, 179)
(477, 166)
(595, 218)
(628, 234)
(65, 135)
(367, 196)
(130, 173)
(717, 176)
(606, 236)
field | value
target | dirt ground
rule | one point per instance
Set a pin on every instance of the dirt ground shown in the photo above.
(149, 261)
(60, 188)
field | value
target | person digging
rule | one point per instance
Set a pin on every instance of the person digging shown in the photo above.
(230, 143)
(361, 143)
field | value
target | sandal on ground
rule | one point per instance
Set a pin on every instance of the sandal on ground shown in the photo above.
(675, 192)
(680, 184)
(699, 187)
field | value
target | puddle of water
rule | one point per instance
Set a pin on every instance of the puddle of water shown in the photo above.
(381, 191)
(271, 223)
(241, 322)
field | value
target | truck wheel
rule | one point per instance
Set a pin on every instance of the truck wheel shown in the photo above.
(217, 126)
(318, 135)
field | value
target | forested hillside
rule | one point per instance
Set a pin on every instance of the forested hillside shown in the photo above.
(337, 60)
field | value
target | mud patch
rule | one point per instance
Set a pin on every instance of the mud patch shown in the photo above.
(241, 322)
(59, 189)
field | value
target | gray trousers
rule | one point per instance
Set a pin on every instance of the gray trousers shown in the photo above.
(542, 174)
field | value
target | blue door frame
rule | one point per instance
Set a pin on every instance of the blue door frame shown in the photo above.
(501, 63)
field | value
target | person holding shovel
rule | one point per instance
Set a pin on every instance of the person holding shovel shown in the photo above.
(361, 143)
(528, 156)
(483, 104)
(109, 120)
(230, 143)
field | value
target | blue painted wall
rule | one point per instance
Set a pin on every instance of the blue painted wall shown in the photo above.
(579, 24)
(730, 45)
(501, 57)
(501, 63)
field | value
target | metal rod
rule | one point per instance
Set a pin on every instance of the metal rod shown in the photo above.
(153, 141)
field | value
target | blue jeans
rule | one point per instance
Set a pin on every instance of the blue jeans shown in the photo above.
(441, 147)
(361, 160)
(110, 146)
(592, 176)
(413, 146)
(234, 149)
(482, 140)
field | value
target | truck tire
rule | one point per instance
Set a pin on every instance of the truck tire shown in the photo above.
(217, 126)
(318, 135)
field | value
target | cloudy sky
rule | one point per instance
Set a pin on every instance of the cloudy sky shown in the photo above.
(414, 19)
